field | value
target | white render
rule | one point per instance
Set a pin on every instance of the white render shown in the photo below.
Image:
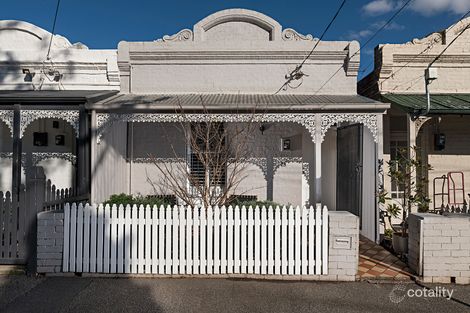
(25, 46)
(235, 51)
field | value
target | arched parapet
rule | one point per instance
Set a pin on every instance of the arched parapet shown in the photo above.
(264, 22)
(19, 35)
(29, 116)
(370, 120)
(6, 116)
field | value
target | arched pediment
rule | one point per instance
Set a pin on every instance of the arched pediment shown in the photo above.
(19, 35)
(241, 23)
(237, 25)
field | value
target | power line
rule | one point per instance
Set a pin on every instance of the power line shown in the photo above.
(53, 29)
(297, 74)
(367, 42)
(430, 46)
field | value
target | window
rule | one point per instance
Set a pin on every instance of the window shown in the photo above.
(207, 154)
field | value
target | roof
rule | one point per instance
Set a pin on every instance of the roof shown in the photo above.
(229, 102)
(53, 96)
(440, 103)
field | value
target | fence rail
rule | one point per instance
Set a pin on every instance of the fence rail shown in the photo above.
(187, 241)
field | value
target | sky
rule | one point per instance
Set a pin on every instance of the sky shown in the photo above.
(101, 24)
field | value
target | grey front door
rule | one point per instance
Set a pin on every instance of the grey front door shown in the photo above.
(349, 169)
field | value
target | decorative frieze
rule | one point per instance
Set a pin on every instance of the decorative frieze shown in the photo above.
(40, 156)
(104, 120)
(29, 116)
(7, 117)
(367, 119)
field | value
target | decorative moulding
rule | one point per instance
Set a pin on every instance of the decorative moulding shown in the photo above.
(7, 117)
(367, 119)
(183, 35)
(290, 34)
(104, 120)
(29, 116)
(431, 39)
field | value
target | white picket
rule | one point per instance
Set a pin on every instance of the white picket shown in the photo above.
(180, 240)
(174, 235)
(236, 241)
(210, 240)
(154, 239)
(120, 239)
(270, 241)
(230, 240)
(324, 238)
(243, 241)
(99, 235)
(161, 239)
(189, 240)
(311, 241)
(264, 235)
(196, 241)
(223, 240)
(169, 223)
(127, 236)
(202, 239)
(304, 225)
(113, 239)
(73, 237)
(284, 260)
(148, 240)
(134, 225)
(86, 239)
(277, 240)
(318, 239)
(250, 240)
(216, 240)
(257, 251)
(66, 253)
(290, 242)
(106, 239)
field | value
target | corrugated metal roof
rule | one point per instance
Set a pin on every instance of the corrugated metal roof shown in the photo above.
(234, 101)
(440, 103)
(35, 96)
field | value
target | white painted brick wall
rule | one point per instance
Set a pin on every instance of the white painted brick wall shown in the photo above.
(50, 242)
(445, 246)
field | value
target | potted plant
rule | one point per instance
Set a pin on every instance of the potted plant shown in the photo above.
(408, 171)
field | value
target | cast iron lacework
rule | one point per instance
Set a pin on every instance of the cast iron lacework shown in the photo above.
(29, 116)
(158, 160)
(104, 120)
(283, 161)
(40, 156)
(368, 120)
(7, 117)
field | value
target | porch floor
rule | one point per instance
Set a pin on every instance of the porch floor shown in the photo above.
(375, 262)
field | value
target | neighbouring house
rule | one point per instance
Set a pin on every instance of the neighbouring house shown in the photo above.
(44, 84)
(315, 141)
(441, 135)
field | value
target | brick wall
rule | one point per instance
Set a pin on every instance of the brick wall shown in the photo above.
(50, 243)
(343, 256)
(444, 243)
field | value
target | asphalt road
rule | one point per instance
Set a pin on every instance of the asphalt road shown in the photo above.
(73, 294)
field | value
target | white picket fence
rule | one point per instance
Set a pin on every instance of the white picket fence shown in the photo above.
(188, 241)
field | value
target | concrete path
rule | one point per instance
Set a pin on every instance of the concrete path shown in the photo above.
(72, 294)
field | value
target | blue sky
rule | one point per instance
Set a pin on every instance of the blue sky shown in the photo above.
(103, 23)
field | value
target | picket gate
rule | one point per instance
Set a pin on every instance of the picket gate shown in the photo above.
(195, 241)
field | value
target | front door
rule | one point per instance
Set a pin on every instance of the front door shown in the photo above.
(349, 169)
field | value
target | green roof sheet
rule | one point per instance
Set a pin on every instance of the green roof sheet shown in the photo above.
(440, 103)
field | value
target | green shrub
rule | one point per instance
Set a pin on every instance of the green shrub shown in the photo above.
(125, 199)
